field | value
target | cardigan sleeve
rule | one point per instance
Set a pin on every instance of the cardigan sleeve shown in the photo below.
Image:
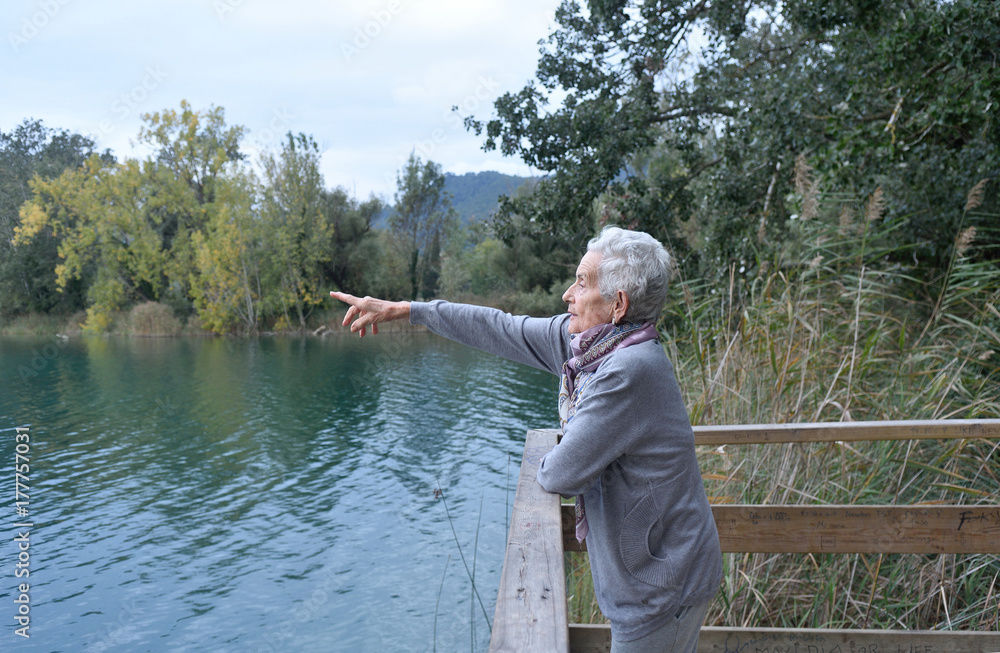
(540, 342)
(631, 407)
(601, 431)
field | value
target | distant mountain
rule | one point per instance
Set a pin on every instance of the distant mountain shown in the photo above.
(474, 194)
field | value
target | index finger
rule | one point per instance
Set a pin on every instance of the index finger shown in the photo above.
(351, 301)
(344, 297)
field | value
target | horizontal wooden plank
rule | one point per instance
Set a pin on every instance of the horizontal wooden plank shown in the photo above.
(531, 612)
(824, 640)
(845, 529)
(847, 431)
(587, 638)
(858, 529)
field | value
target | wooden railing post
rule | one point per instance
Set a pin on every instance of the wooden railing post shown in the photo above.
(531, 612)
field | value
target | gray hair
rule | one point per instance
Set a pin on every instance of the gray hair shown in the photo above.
(637, 263)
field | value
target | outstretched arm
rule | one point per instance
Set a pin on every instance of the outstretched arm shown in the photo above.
(368, 311)
(539, 342)
(536, 341)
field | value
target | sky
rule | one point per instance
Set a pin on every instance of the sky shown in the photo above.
(370, 80)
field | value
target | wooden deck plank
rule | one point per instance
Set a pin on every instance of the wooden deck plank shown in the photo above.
(531, 611)
(845, 529)
(588, 638)
(847, 431)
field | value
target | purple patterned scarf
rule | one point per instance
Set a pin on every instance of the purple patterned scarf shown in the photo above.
(590, 348)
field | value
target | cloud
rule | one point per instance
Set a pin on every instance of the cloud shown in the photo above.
(388, 92)
(450, 17)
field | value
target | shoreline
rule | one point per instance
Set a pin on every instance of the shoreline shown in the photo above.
(159, 322)
(319, 332)
(40, 325)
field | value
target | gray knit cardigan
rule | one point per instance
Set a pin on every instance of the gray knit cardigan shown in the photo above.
(629, 450)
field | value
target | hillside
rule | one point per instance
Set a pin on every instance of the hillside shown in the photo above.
(474, 194)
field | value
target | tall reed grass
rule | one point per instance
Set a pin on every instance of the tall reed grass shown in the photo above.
(34, 324)
(843, 326)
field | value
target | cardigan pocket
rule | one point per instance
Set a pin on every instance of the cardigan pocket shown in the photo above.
(641, 525)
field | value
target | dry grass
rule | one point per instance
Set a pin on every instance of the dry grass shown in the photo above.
(40, 324)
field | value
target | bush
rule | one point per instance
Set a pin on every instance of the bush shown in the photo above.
(152, 319)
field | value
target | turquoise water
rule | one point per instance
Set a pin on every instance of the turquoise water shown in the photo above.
(261, 495)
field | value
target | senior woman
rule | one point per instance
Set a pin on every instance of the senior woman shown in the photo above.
(627, 449)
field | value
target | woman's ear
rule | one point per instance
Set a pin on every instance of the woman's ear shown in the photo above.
(620, 306)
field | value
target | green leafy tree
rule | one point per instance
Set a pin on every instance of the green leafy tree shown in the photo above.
(193, 152)
(387, 274)
(27, 272)
(652, 130)
(354, 246)
(98, 212)
(479, 263)
(298, 230)
(421, 221)
(131, 224)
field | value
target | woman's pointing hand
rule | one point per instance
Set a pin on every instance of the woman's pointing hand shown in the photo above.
(368, 311)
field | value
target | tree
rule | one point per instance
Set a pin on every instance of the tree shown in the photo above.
(193, 152)
(421, 220)
(890, 93)
(98, 211)
(130, 225)
(354, 246)
(298, 231)
(27, 272)
(226, 280)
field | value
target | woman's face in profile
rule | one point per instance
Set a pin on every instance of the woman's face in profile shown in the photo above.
(584, 302)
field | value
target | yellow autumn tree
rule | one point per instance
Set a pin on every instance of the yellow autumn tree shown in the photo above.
(100, 211)
(225, 279)
(134, 223)
(194, 155)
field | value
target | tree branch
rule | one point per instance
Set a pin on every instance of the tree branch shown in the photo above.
(672, 113)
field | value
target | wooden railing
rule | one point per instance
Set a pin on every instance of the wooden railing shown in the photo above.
(531, 612)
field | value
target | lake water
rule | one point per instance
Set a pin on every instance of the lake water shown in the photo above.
(261, 495)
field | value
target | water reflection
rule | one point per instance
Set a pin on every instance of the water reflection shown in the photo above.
(273, 494)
